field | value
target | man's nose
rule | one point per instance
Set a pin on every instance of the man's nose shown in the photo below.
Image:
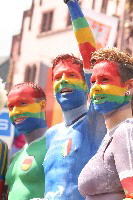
(64, 79)
(96, 88)
(15, 111)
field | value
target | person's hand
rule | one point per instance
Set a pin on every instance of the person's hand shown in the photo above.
(66, 1)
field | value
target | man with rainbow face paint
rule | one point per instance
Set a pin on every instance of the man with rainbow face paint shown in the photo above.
(3, 145)
(73, 142)
(25, 176)
(111, 91)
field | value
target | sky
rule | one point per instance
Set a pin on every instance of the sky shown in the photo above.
(11, 14)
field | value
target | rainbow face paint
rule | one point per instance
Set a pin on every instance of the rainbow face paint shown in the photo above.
(70, 88)
(25, 113)
(107, 91)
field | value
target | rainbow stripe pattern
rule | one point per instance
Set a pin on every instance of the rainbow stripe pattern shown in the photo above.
(83, 33)
(106, 100)
(29, 114)
(110, 92)
(27, 163)
(76, 84)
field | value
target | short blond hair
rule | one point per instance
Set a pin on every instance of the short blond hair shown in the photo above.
(112, 54)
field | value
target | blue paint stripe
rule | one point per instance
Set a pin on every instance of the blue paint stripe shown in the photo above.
(87, 78)
(108, 106)
(75, 10)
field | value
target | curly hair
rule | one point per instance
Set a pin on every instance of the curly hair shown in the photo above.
(39, 91)
(68, 58)
(124, 61)
(113, 54)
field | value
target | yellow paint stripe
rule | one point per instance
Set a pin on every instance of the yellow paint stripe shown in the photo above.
(26, 166)
(71, 81)
(85, 35)
(110, 89)
(33, 108)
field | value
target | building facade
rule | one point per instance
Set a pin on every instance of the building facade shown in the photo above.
(46, 32)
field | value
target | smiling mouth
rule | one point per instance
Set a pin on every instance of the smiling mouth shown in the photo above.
(66, 90)
(99, 98)
(19, 120)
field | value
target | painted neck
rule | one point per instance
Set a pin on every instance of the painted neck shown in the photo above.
(115, 117)
(34, 135)
(70, 116)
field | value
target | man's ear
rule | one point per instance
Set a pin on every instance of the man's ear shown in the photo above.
(43, 105)
(129, 85)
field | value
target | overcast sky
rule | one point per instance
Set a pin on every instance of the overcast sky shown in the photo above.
(11, 13)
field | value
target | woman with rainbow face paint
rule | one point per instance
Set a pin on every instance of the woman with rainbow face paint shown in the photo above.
(25, 175)
(3, 145)
(109, 174)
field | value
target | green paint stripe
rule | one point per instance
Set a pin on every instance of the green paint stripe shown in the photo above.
(63, 150)
(114, 98)
(80, 23)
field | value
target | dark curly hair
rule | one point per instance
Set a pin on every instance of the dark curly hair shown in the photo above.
(39, 91)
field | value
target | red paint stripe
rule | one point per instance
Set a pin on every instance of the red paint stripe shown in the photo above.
(86, 50)
(69, 146)
(27, 161)
(127, 184)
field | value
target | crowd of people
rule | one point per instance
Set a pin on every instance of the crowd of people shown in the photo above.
(90, 154)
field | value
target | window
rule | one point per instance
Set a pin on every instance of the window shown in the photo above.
(47, 21)
(93, 4)
(30, 74)
(33, 73)
(27, 74)
(40, 2)
(104, 6)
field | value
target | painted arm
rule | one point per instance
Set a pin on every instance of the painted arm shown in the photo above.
(123, 155)
(3, 165)
(84, 36)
